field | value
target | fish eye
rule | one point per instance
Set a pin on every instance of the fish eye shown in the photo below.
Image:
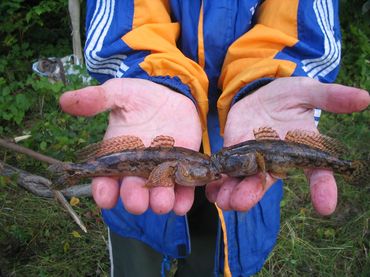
(218, 175)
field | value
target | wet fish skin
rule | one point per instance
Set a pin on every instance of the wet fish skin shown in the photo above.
(191, 167)
(279, 156)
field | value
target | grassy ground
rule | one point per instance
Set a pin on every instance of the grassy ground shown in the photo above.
(37, 238)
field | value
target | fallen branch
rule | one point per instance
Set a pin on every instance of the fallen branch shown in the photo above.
(40, 186)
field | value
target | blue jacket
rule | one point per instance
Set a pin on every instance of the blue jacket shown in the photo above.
(214, 52)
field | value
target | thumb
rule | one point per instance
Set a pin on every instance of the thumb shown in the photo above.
(88, 101)
(334, 97)
(114, 93)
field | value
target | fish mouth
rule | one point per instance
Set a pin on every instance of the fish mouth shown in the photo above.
(181, 180)
(215, 165)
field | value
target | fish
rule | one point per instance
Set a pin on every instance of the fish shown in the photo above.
(267, 153)
(162, 164)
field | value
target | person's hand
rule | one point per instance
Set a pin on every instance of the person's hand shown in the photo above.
(284, 104)
(144, 109)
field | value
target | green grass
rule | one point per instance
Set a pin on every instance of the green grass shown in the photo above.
(311, 245)
(38, 238)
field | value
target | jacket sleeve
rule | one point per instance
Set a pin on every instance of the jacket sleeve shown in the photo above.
(289, 38)
(136, 39)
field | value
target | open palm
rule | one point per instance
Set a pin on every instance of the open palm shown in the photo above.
(143, 109)
(284, 104)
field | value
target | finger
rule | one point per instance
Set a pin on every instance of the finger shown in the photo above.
(162, 199)
(85, 102)
(249, 191)
(105, 191)
(135, 196)
(334, 97)
(223, 196)
(184, 198)
(324, 191)
(213, 188)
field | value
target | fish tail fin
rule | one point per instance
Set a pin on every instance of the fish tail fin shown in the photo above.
(360, 173)
(60, 170)
(57, 168)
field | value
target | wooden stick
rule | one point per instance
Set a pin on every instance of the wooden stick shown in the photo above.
(74, 13)
(29, 152)
(58, 195)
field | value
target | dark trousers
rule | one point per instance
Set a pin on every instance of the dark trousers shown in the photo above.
(130, 257)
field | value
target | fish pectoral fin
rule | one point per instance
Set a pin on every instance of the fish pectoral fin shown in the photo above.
(109, 146)
(318, 141)
(265, 133)
(359, 173)
(162, 175)
(263, 178)
(260, 159)
(163, 141)
(278, 174)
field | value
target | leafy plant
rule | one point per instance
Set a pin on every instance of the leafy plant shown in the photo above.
(13, 103)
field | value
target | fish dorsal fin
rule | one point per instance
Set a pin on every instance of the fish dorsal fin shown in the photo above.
(316, 140)
(109, 146)
(163, 141)
(265, 133)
